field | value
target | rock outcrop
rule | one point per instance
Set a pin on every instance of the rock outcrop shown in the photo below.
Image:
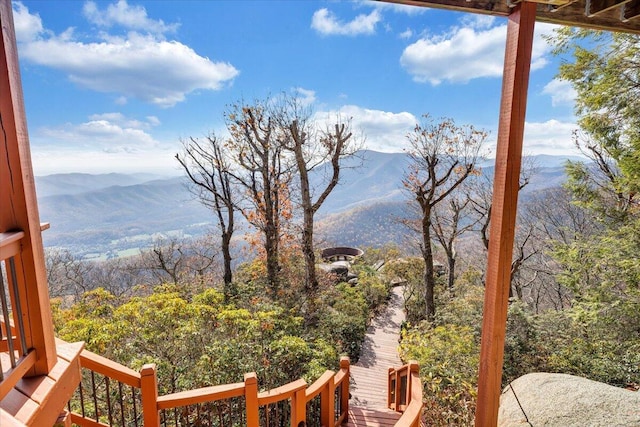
(562, 400)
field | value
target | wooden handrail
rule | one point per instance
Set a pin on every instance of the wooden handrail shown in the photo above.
(318, 385)
(410, 403)
(296, 391)
(281, 393)
(109, 368)
(13, 375)
(411, 415)
(10, 244)
(201, 395)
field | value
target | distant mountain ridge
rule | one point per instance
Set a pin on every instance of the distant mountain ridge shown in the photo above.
(112, 213)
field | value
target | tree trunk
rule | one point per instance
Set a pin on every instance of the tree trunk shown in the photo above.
(452, 270)
(271, 248)
(227, 275)
(427, 255)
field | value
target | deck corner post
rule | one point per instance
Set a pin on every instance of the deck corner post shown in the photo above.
(515, 82)
(18, 202)
(149, 392)
(251, 399)
(345, 364)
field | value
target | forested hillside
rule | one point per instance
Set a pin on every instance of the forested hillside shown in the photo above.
(208, 309)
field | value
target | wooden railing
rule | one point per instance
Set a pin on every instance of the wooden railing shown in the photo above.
(18, 357)
(113, 395)
(405, 394)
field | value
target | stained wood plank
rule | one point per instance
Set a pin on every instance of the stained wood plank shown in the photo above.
(515, 84)
(19, 406)
(595, 7)
(571, 14)
(39, 400)
(364, 417)
(7, 420)
(379, 353)
(631, 11)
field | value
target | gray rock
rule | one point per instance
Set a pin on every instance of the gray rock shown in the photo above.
(566, 401)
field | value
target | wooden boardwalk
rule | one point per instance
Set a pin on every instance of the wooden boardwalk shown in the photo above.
(368, 403)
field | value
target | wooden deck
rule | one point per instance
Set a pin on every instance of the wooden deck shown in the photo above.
(39, 401)
(379, 353)
(361, 417)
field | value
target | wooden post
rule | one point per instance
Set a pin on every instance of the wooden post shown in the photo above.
(412, 368)
(149, 392)
(515, 82)
(18, 199)
(251, 399)
(344, 390)
(327, 404)
(299, 408)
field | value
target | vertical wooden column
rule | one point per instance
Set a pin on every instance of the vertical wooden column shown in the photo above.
(345, 365)
(251, 399)
(515, 83)
(149, 393)
(327, 404)
(19, 208)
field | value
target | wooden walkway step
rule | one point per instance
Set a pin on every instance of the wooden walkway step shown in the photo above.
(362, 417)
(379, 353)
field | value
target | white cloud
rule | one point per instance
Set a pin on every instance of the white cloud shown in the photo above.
(406, 34)
(561, 92)
(384, 131)
(467, 52)
(129, 17)
(550, 137)
(107, 142)
(27, 26)
(141, 66)
(305, 96)
(107, 132)
(50, 160)
(325, 22)
(394, 7)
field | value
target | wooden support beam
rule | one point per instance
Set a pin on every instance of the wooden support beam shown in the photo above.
(18, 199)
(517, 63)
(595, 7)
(630, 11)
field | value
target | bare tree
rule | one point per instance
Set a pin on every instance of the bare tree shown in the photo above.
(313, 148)
(443, 155)
(450, 221)
(264, 174)
(66, 274)
(207, 165)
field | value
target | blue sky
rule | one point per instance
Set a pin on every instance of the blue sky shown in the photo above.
(114, 86)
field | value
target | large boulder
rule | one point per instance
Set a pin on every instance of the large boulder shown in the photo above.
(564, 400)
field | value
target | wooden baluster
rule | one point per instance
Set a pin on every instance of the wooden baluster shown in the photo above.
(391, 386)
(149, 392)
(251, 398)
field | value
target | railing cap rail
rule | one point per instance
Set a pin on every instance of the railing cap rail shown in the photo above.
(318, 385)
(281, 393)
(200, 395)
(10, 243)
(104, 366)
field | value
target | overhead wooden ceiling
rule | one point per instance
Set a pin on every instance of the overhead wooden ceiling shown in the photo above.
(612, 15)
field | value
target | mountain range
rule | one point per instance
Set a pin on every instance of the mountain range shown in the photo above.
(116, 214)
